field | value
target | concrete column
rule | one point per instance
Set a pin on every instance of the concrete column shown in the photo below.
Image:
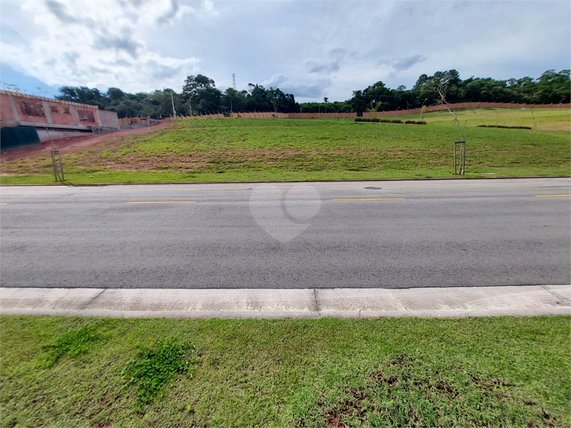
(14, 109)
(47, 112)
(73, 114)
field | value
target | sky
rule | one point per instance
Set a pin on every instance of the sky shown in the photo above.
(312, 49)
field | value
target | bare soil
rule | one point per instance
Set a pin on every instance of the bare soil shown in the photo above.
(76, 143)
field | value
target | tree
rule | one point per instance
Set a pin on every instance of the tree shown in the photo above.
(115, 94)
(553, 87)
(257, 99)
(358, 102)
(207, 101)
(194, 84)
(126, 108)
(200, 92)
(283, 103)
(81, 94)
(233, 100)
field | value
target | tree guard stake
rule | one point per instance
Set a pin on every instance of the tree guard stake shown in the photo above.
(459, 157)
(57, 165)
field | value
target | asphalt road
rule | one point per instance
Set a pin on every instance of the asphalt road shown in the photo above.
(315, 235)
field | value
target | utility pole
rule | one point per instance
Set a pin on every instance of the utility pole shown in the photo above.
(173, 110)
(234, 86)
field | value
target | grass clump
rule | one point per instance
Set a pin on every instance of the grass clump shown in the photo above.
(152, 369)
(71, 343)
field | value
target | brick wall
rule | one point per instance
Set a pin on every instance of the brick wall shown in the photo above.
(41, 112)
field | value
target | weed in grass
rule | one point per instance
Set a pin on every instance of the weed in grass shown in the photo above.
(152, 369)
(71, 343)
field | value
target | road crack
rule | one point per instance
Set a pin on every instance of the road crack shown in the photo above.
(316, 305)
(562, 299)
(90, 301)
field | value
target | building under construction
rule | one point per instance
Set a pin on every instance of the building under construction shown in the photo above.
(28, 120)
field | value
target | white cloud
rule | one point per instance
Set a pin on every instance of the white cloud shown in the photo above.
(309, 48)
(95, 44)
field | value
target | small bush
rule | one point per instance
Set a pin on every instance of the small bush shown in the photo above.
(504, 127)
(152, 369)
(367, 119)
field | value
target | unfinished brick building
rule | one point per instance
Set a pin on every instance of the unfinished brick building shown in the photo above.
(51, 118)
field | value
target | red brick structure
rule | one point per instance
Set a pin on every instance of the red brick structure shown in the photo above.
(53, 117)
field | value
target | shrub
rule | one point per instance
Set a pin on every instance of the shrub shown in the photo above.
(504, 127)
(367, 119)
(71, 343)
(152, 369)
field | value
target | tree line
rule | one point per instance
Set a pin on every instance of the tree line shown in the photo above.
(550, 88)
(200, 96)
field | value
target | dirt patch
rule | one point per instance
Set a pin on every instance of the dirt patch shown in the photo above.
(353, 406)
(76, 143)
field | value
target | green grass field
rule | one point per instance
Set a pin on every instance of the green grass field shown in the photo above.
(82, 372)
(199, 150)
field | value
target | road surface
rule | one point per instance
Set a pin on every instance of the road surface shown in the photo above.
(386, 234)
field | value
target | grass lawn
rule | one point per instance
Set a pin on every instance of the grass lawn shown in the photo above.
(199, 150)
(502, 371)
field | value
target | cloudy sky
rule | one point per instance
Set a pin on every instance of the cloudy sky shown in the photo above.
(313, 49)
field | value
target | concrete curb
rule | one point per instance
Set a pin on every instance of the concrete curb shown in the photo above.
(288, 181)
(454, 302)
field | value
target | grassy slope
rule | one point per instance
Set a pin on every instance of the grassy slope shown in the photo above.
(305, 149)
(384, 372)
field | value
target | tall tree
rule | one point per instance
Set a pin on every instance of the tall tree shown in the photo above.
(553, 87)
(194, 84)
(233, 100)
(201, 94)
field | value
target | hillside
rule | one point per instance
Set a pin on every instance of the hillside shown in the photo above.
(240, 149)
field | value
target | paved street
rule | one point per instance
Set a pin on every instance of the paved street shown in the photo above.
(400, 234)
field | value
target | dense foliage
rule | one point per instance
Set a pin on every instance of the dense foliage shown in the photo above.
(551, 87)
(199, 95)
